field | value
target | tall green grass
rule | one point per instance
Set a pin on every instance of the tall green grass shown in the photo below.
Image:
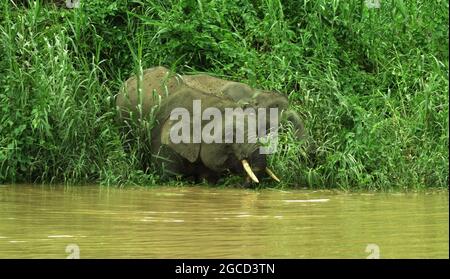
(371, 84)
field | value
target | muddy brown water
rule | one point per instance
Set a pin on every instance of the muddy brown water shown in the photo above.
(200, 222)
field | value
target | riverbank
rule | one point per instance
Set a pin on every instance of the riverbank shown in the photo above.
(370, 83)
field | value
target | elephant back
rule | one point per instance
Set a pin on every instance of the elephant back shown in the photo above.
(147, 90)
(243, 95)
(205, 83)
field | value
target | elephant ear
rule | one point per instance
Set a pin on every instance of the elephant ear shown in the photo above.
(292, 117)
(189, 151)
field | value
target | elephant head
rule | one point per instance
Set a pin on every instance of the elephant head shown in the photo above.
(273, 99)
(209, 155)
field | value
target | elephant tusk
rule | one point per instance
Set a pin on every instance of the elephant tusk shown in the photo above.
(269, 172)
(249, 171)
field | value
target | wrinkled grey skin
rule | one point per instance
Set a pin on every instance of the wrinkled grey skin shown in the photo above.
(196, 160)
(164, 82)
(245, 95)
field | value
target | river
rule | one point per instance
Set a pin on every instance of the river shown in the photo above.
(204, 222)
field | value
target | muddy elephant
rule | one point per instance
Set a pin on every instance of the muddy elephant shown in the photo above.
(190, 157)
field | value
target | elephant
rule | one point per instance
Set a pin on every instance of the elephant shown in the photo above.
(245, 95)
(161, 89)
(154, 85)
(163, 82)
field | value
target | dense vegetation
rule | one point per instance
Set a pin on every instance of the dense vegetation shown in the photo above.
(371, 84)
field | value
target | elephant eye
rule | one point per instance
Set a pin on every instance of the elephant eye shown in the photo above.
(244, 104)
